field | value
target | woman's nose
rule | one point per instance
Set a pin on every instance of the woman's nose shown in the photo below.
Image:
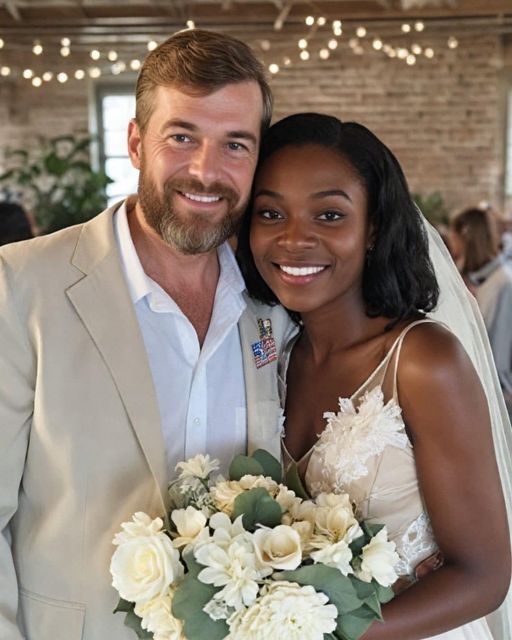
(297, 235)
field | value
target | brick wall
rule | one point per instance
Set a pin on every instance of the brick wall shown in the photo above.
(443, 118)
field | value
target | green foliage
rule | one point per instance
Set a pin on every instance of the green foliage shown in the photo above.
(432, 207)
(131, 619)
(261, 463)
(189, 599)
(57, 182)
(257, 507)
(293, 481)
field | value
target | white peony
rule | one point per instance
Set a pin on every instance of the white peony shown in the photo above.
(145, 562)
(254, 482)
(234, 568)
(279, 548)
(337, 555)
(286, 498)
(288, 612)
(337, 523)
(157, 618)
(379, 558)
(197, 467)
(304, 510)
(191, 528)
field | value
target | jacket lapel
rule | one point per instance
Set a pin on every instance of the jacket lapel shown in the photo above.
(103, 303)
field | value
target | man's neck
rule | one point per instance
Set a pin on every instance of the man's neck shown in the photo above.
(191, 281)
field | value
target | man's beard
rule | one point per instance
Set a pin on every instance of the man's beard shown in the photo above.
(194, 233)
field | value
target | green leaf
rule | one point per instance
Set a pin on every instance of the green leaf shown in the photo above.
(244, 465)
(189, 599)
(293, 481)
(371, 530)
(384, 594)
(330, 581)
(257, 507)
(271, 466)
(124, 606)
(132, 621)
(351, 626)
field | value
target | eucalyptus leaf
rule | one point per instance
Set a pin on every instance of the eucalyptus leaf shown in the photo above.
(384, 594)
(257, 507)
(189, 599)
(271, 466)
(351, 626)
(132, 621)
(293, 481)
(330, 581)
(244, 465)
(124, 606)
(371, 529)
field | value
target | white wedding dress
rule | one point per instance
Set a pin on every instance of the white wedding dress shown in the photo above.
(364, 451)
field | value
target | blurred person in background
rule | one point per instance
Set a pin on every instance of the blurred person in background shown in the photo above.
(14, 223)
(475, 246)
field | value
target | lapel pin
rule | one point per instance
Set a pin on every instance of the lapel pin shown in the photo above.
(264, 351)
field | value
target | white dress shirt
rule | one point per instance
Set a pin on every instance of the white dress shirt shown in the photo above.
(200, 391)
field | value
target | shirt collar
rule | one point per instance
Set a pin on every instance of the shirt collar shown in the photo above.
(141, 285)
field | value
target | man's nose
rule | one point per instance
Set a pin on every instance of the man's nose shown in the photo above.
(206, 164)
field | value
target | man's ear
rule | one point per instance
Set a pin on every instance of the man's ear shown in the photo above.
(134, 143)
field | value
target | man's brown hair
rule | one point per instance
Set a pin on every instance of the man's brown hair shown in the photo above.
(202, 62)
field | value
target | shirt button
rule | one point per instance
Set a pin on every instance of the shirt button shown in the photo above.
(197, 421)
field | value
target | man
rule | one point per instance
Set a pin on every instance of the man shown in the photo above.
(127, 344)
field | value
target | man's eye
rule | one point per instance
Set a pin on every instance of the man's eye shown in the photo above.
(236, 146)
(331, 216)
(180, 137)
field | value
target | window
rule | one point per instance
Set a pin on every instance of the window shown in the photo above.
(116, 106)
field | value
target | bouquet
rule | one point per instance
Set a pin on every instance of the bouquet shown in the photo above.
(251, 558)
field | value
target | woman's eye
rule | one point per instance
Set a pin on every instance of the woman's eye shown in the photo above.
(331, 216)
(269, 214)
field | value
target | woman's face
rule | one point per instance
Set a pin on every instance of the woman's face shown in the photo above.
(309, 227)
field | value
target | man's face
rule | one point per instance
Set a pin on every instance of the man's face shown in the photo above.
(197, 158)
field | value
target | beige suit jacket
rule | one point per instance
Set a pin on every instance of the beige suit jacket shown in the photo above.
(81, 446)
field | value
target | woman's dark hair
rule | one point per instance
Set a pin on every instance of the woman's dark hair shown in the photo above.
(398, 279)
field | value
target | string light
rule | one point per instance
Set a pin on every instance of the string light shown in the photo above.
(1, 43)
(65, 51)
(273, 68)
(353, 42)
(152, 45)
(94, 72)
(112, 56)
(79, 74)
(47, 76)
(287, 61)
(377, 44)
(5, 71)
(321, 21)
(65, 42)
(360, 32)
(95, 54)
(135, 64)
(336, 24)
(416, 49)
(419, 26)
(358, 50)
(37, 49)
(191, 24)
(324, 54)
(303, 43)
(411, 59)
(28, 74)
(453, 43)
(310, 21)
(402, 53)
(265, 45)
(36, 81)
(406, 28)
(118, 68)
(62, 77)
(429, 52)
(304, 55)
(332, 44)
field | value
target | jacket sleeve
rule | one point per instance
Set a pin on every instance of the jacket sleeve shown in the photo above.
(17, 374)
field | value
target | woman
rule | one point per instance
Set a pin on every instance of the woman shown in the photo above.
(474, 244)
(338, 241)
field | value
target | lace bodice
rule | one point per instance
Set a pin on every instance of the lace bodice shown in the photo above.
(364, 451)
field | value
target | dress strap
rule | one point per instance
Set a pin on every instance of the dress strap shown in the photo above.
(397, 347)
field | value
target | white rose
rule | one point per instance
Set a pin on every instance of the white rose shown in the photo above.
(286, 498)
(144, 564)
(334, 500)
(278, 548)
(379, 558)
(337, 523)
(191, 527)
(197, 467)
(305, 510)
(253, 482)
(337, 555)
(224, 494)
(305, 531)
(157, 618)
(288, 612)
